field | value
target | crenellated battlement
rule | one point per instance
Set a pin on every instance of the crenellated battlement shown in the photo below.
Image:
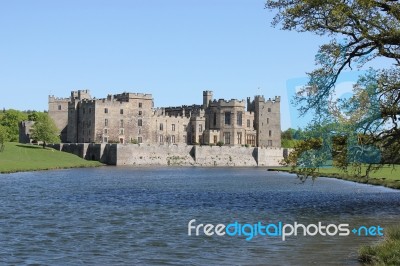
(261, 98)
(52, 98)
(128, 95)
(228, 103)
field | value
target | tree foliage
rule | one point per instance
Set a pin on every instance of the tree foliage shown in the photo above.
(3, 137)
(361, 31)
(45, 130)
(10, 120)
(290, 137)
(306, 158)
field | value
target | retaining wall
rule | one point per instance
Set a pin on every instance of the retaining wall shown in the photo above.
(184, 155)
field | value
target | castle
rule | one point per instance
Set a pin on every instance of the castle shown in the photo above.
(132, 118)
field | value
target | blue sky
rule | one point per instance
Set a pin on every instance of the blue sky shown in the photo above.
(173, 49)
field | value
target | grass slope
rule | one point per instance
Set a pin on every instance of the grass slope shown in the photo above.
(24, 157)
(386, 252)
(388, 176)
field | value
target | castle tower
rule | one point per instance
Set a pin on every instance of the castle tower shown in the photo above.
(58, 111)
(267, 118)
(207, 97)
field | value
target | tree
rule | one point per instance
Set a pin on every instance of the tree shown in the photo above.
(288, 138)
(306, 158)
(33, 116)
(10, 120)
(3, 137)
(361, 31)
(45, 130)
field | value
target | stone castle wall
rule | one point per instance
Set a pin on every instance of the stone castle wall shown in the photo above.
(180, 155)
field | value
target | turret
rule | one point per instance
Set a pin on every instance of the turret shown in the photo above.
(207, 97)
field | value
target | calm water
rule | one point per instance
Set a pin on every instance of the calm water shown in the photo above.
(132, 216)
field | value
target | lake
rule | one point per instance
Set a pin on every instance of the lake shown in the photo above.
(127, 216)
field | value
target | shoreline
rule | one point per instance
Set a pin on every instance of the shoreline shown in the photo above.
(394, 184)
(129, 166)
(49, 169)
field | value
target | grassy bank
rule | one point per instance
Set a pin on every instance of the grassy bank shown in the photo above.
(386, 252)
(21, 157)
(387, 176)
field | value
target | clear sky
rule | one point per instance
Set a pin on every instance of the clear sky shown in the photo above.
(172, 49)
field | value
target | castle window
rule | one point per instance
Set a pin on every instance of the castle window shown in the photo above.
(83, 110)
(269, 110)
(269, 142)
(239, 138)
(184, 128)
(270, 133)
(161, 138)
(105, 139)
(139, 122)
(215, 119)
(267, 120)
(227, 137)
(90, 110)
(121, 131)
(106, 110)
(200, 128)
(173, 127)
(140, 105)
(251, 140)
(121, 123)
(59, 107)
(106, 122)
(140, 112)
(239, 118)
(121, 111)
(105, 131)
(161, 127)
(227, 118)
(139, 140)
(173, 138)
(248, 122)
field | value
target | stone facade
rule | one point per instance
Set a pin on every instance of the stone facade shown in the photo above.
(132, 118)
(25, 131)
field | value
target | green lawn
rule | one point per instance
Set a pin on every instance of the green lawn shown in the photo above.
(24, 157)
(388, 176)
